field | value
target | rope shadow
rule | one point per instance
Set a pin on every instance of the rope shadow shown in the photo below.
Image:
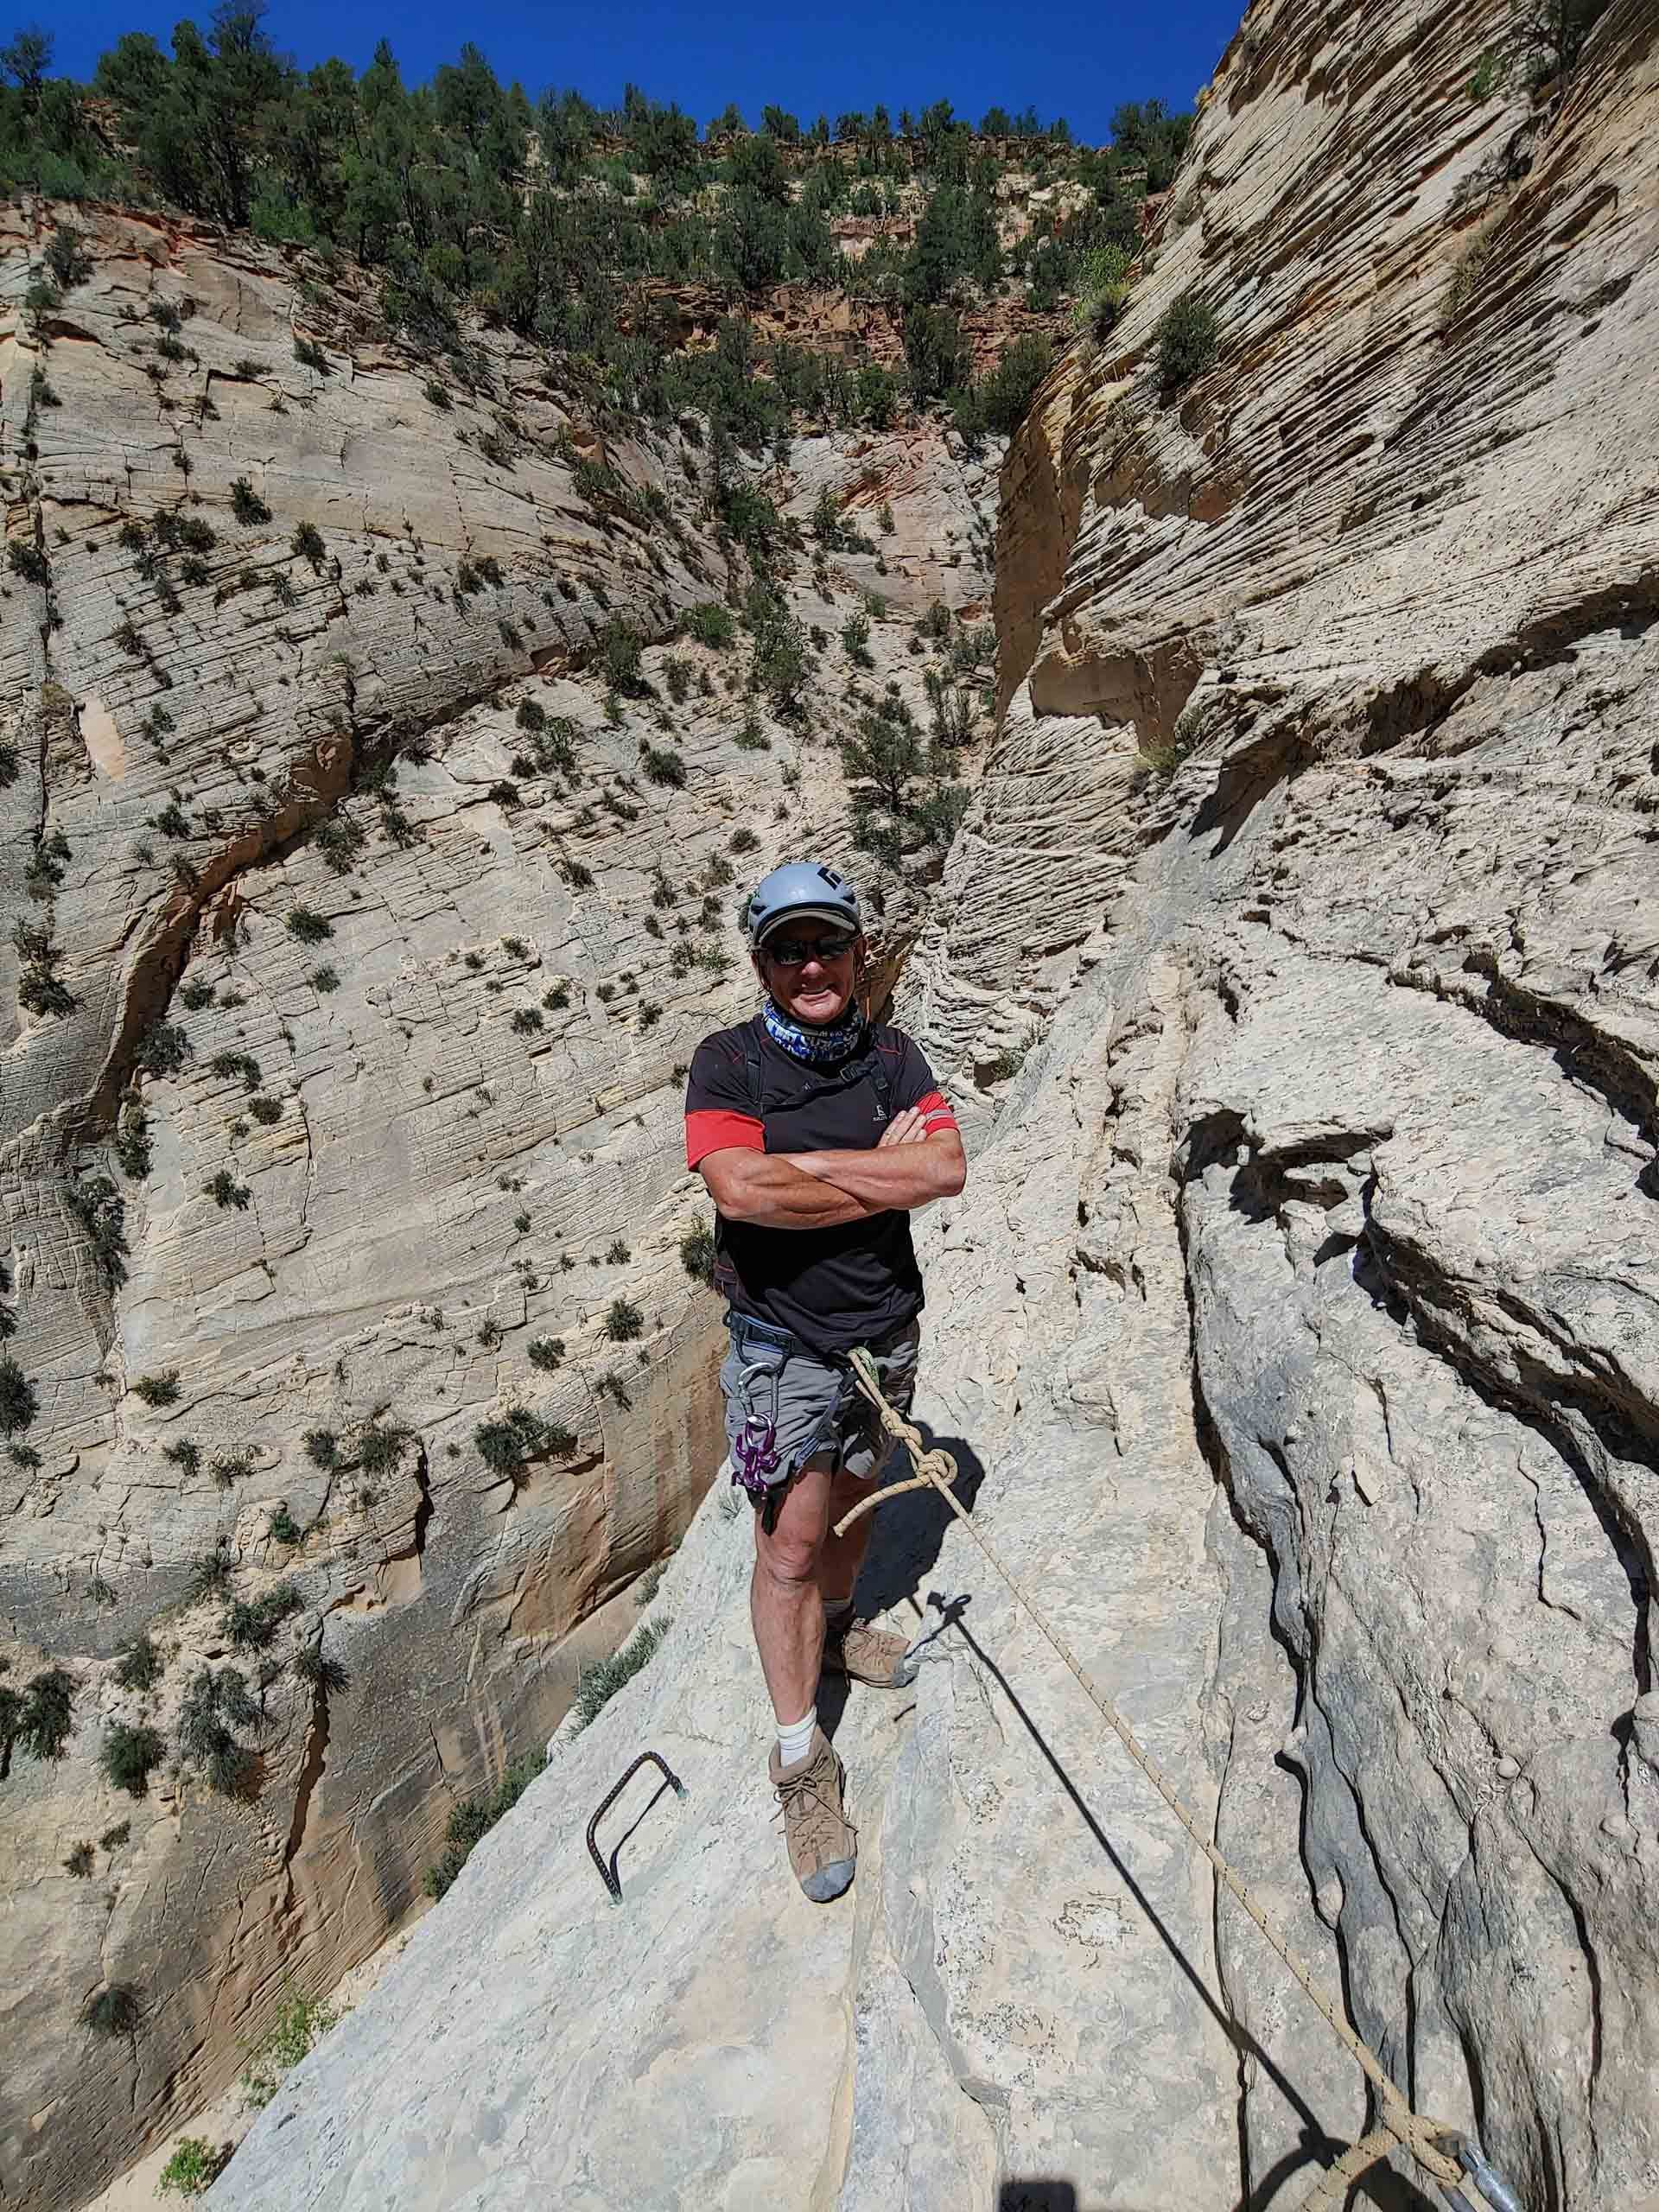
(1381, 2187)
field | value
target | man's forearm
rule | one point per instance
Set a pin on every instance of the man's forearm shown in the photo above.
(771, 1191)
(901, 1176)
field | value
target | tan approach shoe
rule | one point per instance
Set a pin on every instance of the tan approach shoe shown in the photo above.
(823, 1842)
(869, 1654)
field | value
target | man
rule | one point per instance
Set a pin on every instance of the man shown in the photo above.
(817, 1132)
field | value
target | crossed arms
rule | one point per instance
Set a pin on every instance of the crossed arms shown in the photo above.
(822, 1190)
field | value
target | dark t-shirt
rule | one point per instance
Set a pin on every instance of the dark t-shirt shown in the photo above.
(832, 1287)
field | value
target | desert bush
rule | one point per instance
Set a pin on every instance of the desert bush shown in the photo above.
(711, 623)
(623, 1321)
(310, 928)
(546, 1352)
(663, 765)
(321, 1447)
(284, 1529)
(128, 1755)
(225, 1191)
(1188, 334)
(216, 1704)
(116, 2010)
(474, 1817)
(697, 1253)
(18, 1403)
(194, 2166)
(302, 2022)
(597, 1684)
(81, 1860)
(139, 1666)
(507, 1446)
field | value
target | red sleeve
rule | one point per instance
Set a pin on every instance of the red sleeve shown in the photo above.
(720, 1131)
(916, 1084)
(935, 1108)
(720, 1114)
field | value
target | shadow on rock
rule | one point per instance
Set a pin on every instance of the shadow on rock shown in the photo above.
(910, 1530)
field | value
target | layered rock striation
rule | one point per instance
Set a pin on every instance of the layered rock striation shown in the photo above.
(374, 858)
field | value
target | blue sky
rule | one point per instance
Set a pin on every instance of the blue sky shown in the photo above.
(1076, 57)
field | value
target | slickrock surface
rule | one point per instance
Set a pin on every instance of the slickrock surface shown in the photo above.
(446, 1118)
(1299, 1311)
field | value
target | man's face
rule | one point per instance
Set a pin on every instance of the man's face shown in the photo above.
(817, 988)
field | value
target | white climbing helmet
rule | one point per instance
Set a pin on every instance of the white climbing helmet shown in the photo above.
(801, 891)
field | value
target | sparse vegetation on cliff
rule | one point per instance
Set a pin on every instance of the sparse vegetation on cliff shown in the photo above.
(474, 1817)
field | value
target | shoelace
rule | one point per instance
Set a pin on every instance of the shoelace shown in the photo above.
(805, 1787)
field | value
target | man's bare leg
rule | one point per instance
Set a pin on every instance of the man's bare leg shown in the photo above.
(785, 1596)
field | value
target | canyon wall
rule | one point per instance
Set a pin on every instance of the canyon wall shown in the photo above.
(361, 938)
(1295, 973)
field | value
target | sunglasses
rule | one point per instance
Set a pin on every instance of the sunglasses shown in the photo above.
(795, 951)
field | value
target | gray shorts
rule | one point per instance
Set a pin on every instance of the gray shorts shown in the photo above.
(819, 1408)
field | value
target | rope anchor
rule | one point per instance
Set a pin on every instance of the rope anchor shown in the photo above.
(1444, 2152)
(613, 1882)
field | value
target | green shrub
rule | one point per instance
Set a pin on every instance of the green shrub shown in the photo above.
(128, 1755)
(310, 355)
(194, 2166)
(211, 1574)
(226, 1064)
(81, 1860)
(40, 1717)
(508, 1446)
(308, 1665)
(231, 1466)
(113, 1839)
(546, 1352)
(139, 1666)
(597, 1684)
(251, 1625)
(711, 623)
(215, 1705)
(321, 1447)
(28, 561)
(225, 1191)
(623, 1321)
(310, 928)
(326, 978)
(116, 2010)
(302, 2022)
(266, 1111)
(475, 1816)
(618, 645)
(158, 1389)
(246, 505)
(697, 1253)
(284, 1529)
(1188, 338)
(663, 765)
(380, 1446)
(307, 543)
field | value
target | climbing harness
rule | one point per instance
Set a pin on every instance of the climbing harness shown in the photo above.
(1443, 2151)
(612, 1880)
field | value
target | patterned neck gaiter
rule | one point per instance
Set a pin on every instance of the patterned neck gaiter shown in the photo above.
(825, 1047)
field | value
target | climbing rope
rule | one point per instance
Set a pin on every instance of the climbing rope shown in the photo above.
(1426, 2139)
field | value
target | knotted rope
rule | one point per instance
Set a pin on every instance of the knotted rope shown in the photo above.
(1396, 2122)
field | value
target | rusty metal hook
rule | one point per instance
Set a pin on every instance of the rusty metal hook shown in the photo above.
(613, 1882)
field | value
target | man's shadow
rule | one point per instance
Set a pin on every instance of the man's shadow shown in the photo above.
(905, 1545)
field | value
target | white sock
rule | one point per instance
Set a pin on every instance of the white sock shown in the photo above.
(796, 1741)
(839, 1616)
